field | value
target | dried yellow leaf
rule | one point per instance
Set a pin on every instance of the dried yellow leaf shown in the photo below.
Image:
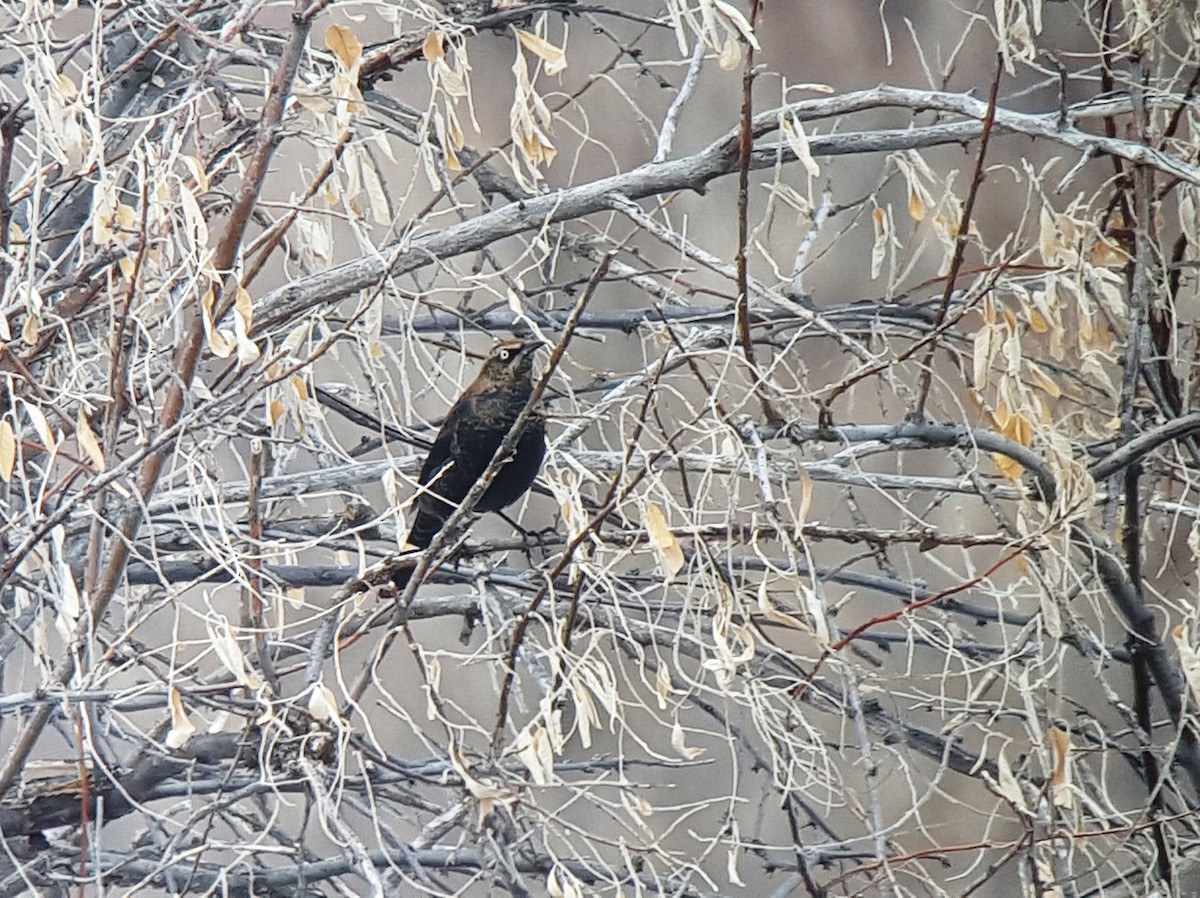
(806, 495)
(196, 166)
(739, 21)
(434, 46)
(322, 704)
(982, 355)
(797, 141)
(223, 642)
(88, 442)
(560, 884)
(42, 426)
(1060, 779)
(1010, 469)
(536, 753)
(487, 793)
(729, 55)
(1010, 787)
(916, 203)
(555, 58)
(8, 450)
(1104, 255)
(243, 319)
(220, 345)
(767, 608)
(662, 685)
(344, 45)
(678, 742)
(193, 217)
(882, 232)
(670, 555)
(181, 727)
(126, 216)
(1043, 380)
(313, 102)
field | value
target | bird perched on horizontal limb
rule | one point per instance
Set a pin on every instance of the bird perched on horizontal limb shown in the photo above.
(470, 436)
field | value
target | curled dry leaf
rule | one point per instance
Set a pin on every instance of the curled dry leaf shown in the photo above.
(536, 753)
(222, 347)
(916, 172)
(1060, 779)
(679, 743)
(739, 21)
(587, 718)
(529, 124)
(554, 58)
(561, 884)
(1107, 255)
(485, 792)
(1008, 785)
(322, 704)
(882, 223)
(181, 727)
(196, 229)
(770, 612)
(221, 638)
(243, 319)
(662, 685)
(670, 555)
(637, 809)
(434, 46)
(196, 166)
(983, 353)
(450, 140)
(42, 426)
(797, 141)
(88, 442)
(381, 211)
(726, 30)
(1043, 380)
(806, 495)
(8, 450)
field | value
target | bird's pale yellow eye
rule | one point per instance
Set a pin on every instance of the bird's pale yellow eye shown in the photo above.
(505, 355)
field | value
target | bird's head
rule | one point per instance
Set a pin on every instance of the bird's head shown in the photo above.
(510, 362)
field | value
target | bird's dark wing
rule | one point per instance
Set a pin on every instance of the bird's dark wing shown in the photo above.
(440, 451)
(461, 452)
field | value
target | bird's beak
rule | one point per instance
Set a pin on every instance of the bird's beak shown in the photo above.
(529, 347)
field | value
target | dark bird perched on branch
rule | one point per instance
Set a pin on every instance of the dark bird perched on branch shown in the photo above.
(470, 437)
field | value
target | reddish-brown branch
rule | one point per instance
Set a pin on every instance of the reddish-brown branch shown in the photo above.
(910, 608)
(960, 240)
(745, 150)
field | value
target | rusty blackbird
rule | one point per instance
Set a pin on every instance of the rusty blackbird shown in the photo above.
(471, 434)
